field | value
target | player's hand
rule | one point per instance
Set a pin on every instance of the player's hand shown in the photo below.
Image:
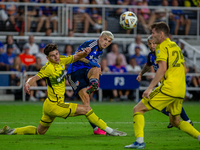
(100, 73)
(139, 78)
(146, 93)
(87, 50)
(93, 64)
(27, 88)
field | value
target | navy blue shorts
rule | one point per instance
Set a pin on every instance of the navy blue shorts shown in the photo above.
(78, 79)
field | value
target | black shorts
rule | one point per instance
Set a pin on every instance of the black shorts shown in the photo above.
(78, 79)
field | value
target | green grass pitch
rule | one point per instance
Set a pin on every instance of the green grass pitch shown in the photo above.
(75, 133)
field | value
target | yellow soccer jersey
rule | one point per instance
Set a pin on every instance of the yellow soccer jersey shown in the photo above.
(173, 83)
(55, 77)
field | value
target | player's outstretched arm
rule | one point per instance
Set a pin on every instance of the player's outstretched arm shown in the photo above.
(82, 54)
(93, 64)
(144, 70)
(29, 82)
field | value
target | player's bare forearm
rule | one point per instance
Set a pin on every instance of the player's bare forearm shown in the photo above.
(33, 79)
(82, 54)
(84, 60)
(29, 82)
(145, 69)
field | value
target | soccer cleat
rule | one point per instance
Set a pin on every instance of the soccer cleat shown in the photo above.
(169, 125)
(6, 130)
(136, 145)
(116, 133)
(99, 132)
(93, 87)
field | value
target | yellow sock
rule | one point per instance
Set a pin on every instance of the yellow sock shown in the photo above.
(26, 130)
(95, 120)
(188, 128)
(138, 124)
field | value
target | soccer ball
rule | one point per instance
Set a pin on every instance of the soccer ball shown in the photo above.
(128, 20)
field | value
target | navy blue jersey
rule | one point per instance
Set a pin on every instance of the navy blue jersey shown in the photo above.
(151, 60)
(93, 56)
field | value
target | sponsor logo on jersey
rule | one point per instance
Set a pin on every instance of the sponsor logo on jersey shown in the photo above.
(63, 75)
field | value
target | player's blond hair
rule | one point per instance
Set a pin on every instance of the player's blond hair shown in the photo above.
(107, 33)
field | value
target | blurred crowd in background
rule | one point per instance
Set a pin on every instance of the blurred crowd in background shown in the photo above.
(27, 55)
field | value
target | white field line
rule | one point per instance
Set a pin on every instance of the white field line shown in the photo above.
(55, 122)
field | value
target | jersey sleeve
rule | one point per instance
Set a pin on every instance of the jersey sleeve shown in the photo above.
(83, 46)
(161, 53)
(67, 59)
(44, 72)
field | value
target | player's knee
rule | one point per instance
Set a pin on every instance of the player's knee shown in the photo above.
(175, 123)
(135, 109)
(41, 132)
(96, 70)
(87, 108)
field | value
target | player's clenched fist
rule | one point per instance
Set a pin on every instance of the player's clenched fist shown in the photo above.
(27, 88)
(139, 77)
(87, 50)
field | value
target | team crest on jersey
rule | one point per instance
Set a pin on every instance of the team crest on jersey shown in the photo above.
(61, 65)
(77, 83)
(158, 51)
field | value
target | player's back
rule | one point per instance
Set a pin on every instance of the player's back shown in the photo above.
(173, 82)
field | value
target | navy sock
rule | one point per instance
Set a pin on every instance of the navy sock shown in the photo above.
(184, 115)
(93, 126)
(165, 112)
(93, 80)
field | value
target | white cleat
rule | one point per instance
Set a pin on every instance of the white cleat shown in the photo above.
(6, 130)
(116, 133)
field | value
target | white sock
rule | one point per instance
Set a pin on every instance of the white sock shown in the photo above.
(95, 129)
(108, 130)
(189, 121)
(198, 138)
(140, 140)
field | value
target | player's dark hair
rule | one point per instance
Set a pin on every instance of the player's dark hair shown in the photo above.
(49, 48)
(161, 26)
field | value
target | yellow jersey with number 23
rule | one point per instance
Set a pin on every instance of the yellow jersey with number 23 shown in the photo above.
(173, 83)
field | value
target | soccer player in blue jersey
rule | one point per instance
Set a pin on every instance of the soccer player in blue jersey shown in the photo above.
(54, 106)
(151, 61)
(85, 72)
(171, 91)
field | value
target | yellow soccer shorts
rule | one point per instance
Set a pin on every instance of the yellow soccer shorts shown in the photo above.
(51, 110)
(159, 101)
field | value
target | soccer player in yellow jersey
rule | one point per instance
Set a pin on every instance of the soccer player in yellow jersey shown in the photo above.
(170, 93)
(54, 105)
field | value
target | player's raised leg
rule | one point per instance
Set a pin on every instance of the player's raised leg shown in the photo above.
(93, 76)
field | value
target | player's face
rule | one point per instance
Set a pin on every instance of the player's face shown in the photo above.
(54, 57)
(152, 45)
(156, 36)
(104, 41)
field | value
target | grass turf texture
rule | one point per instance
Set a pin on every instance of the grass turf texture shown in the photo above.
(75, 133)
